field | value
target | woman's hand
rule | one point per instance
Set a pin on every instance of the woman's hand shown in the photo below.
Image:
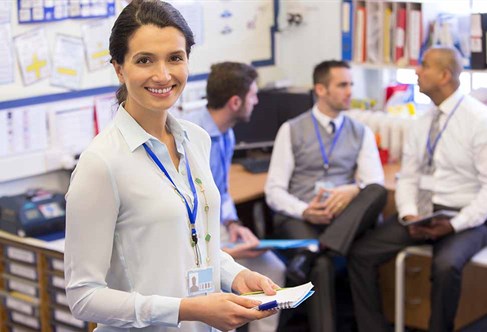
(223, 311)
(248, 281)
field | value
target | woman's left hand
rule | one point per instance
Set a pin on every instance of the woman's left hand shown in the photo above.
(249, 281)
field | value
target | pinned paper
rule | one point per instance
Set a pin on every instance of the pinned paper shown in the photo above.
(6, 54)
(67, 62)
(95, 37)
(33, 55)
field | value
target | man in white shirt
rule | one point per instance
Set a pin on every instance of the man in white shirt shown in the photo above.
(444, 155)
(325, 182)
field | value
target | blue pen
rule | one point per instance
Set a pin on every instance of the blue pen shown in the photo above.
(267, 306)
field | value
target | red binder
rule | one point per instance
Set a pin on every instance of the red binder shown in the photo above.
(400, 33)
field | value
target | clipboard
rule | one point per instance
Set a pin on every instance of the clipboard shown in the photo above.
(426, 220)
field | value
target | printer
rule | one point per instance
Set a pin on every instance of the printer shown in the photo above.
(34, 213)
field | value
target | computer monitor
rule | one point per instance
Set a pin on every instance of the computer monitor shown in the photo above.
(274, 108)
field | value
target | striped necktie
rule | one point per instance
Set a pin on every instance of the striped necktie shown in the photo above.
(425, 197)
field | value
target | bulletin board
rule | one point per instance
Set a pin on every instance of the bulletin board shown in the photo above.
(225, 30)
(57, 85)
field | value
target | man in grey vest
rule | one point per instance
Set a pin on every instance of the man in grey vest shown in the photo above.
(325, 182)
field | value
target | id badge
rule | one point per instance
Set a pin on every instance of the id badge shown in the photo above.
(427, 182)
(323, 185)
(200, 281)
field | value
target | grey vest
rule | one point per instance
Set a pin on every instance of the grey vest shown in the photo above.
(308, 162)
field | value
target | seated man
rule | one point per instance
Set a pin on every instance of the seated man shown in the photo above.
(324, 182)
(231, 92)
(444, 166)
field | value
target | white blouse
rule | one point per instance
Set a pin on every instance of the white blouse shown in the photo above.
(127, 231)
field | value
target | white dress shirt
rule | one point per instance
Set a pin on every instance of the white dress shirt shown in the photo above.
(369, 169)
(460, 158)
(127, 236)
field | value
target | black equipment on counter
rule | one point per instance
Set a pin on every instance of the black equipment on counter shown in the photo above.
(35, 213)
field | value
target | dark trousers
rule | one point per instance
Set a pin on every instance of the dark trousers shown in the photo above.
(450, 254)
(360, 214)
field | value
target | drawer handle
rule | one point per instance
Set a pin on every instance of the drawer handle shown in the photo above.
(415, 301)
(414, 270)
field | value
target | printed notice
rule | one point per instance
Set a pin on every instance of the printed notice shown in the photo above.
(95, 37)
(6, 54)
(33, 54)
(67, 62)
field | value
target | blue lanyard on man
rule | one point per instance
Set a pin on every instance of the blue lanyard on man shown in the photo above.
(430, 147)
(191, 213)
(326, 157)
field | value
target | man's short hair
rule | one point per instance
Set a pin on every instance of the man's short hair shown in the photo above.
(228, 79)
(321, 73)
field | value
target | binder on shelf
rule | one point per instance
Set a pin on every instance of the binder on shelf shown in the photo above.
(478, 41)
(347, 30)
(374, 28)
(360, 36)
(387, 33)
(414, 32)
(400, 34)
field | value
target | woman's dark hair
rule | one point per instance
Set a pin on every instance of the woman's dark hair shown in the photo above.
(137, 14)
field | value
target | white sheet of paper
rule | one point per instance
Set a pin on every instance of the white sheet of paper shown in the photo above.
(33, 55)
(105, 107)
(5, 11)
(95, 37)
(67, 64)
(3, 133)
(6, 54)
(35, 128)
(192, 12)
(74, 129)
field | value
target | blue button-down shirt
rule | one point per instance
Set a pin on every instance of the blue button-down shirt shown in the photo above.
(222, 145)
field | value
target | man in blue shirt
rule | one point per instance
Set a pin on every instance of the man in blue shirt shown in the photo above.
(231, 92)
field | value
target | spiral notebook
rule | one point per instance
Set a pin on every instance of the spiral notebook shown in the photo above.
(286, 298)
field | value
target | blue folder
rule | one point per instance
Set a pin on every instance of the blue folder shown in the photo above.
(281, 244)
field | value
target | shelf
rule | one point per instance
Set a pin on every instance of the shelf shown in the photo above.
(389, 66)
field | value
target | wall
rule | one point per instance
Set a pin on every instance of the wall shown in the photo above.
(298, 50)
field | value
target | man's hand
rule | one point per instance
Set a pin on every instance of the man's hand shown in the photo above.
(248, 240)
(339, 198)
(315, 212)
(438, 228)
(221, 310)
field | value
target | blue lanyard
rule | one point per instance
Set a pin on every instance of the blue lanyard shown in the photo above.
(191, 214)
(325, 157)
(224, 161)
(431, 148)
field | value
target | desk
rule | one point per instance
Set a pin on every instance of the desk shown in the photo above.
(245, 186)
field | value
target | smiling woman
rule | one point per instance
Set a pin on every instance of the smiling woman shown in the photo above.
(142, 205)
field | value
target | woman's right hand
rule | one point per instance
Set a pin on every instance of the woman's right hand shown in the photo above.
(223, 311)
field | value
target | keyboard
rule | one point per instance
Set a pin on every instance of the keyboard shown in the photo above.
(254, 165)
